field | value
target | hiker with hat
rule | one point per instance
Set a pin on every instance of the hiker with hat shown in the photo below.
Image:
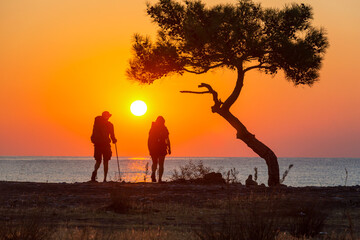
(103, 130)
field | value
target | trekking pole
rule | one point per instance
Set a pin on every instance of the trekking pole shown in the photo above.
(117, 158)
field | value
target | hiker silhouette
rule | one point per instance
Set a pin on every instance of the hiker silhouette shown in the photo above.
(103, 130)
(159, 146)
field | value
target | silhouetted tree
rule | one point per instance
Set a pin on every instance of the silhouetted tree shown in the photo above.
(242, 37)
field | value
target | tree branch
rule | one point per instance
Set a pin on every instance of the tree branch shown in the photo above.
(195, 92)
(205, 70)
(257, 66)
(196, 72)
(217, 102)
(236, 92)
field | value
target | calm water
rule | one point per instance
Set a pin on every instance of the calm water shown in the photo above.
(306, 171)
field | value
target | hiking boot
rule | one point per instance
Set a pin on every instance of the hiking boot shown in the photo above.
(153, 178)
(93, 177)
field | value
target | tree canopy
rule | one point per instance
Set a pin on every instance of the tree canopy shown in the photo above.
(243, 36)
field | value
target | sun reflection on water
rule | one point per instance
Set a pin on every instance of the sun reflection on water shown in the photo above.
(138, 158)
(138, 169)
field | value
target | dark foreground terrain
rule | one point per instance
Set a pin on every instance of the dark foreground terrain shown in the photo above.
(177, 211)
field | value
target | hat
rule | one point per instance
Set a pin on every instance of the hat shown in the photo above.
(106, 114)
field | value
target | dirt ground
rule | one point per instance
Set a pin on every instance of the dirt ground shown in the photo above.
(180, 206)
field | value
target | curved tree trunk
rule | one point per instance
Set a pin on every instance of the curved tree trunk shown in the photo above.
(243, 134)
(223, 109)
(258, 147)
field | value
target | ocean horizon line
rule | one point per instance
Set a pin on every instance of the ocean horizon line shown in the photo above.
(306, 171)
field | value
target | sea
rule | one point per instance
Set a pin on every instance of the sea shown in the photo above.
(304, 171)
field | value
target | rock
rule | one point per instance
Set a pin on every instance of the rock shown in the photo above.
(214, 177)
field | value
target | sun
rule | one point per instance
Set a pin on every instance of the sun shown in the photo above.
(138, 108)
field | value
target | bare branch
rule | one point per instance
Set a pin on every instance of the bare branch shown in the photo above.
(256, 66)
(236, 92)
(211, 90)
(195, 92)
(205, 70)
(196, 72)
(217, 102)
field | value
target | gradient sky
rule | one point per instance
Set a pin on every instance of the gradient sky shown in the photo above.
(63, 62)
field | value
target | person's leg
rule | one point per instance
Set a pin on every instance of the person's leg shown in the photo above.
(97, 156)
(106, 167)
(154, 167)
(107, 157)
(161, 167)
(96, 167)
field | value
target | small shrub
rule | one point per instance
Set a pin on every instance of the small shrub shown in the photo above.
(232, 176)
(120, 202)
(350, 229)
(33, 227)
(190, 171)
(308, 220)
(255, 219)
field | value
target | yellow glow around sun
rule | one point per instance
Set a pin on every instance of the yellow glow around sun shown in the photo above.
(138, 108)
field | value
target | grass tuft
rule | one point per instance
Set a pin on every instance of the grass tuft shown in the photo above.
(120, 202)
(33, 227)
(245, 219)
(307, 220)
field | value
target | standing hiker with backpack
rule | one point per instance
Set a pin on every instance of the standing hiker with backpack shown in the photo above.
(103, 130)
(159, 146)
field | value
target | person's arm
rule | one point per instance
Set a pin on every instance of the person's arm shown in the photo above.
(112, 134)
(169, 148)
(93, 135)
(168, 145)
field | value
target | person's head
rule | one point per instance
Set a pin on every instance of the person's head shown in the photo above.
(250, 177)
(106, 115)
(160, 120)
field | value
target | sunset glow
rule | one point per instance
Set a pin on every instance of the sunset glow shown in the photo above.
(62, 63)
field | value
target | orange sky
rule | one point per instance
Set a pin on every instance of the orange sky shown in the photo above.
(63, 62)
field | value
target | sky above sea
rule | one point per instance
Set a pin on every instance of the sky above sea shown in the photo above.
(62, 63)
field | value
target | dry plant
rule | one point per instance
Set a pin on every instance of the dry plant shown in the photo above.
(146, 171)
(255, 174)
(85, 233)
(120, 201)
(250, 218)
(33, 227)
(286, 173)
(346, 176)
(307, 219)
(340, 236)
(156, 233)
(190, 171)
(232, 176)
(349, 233)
